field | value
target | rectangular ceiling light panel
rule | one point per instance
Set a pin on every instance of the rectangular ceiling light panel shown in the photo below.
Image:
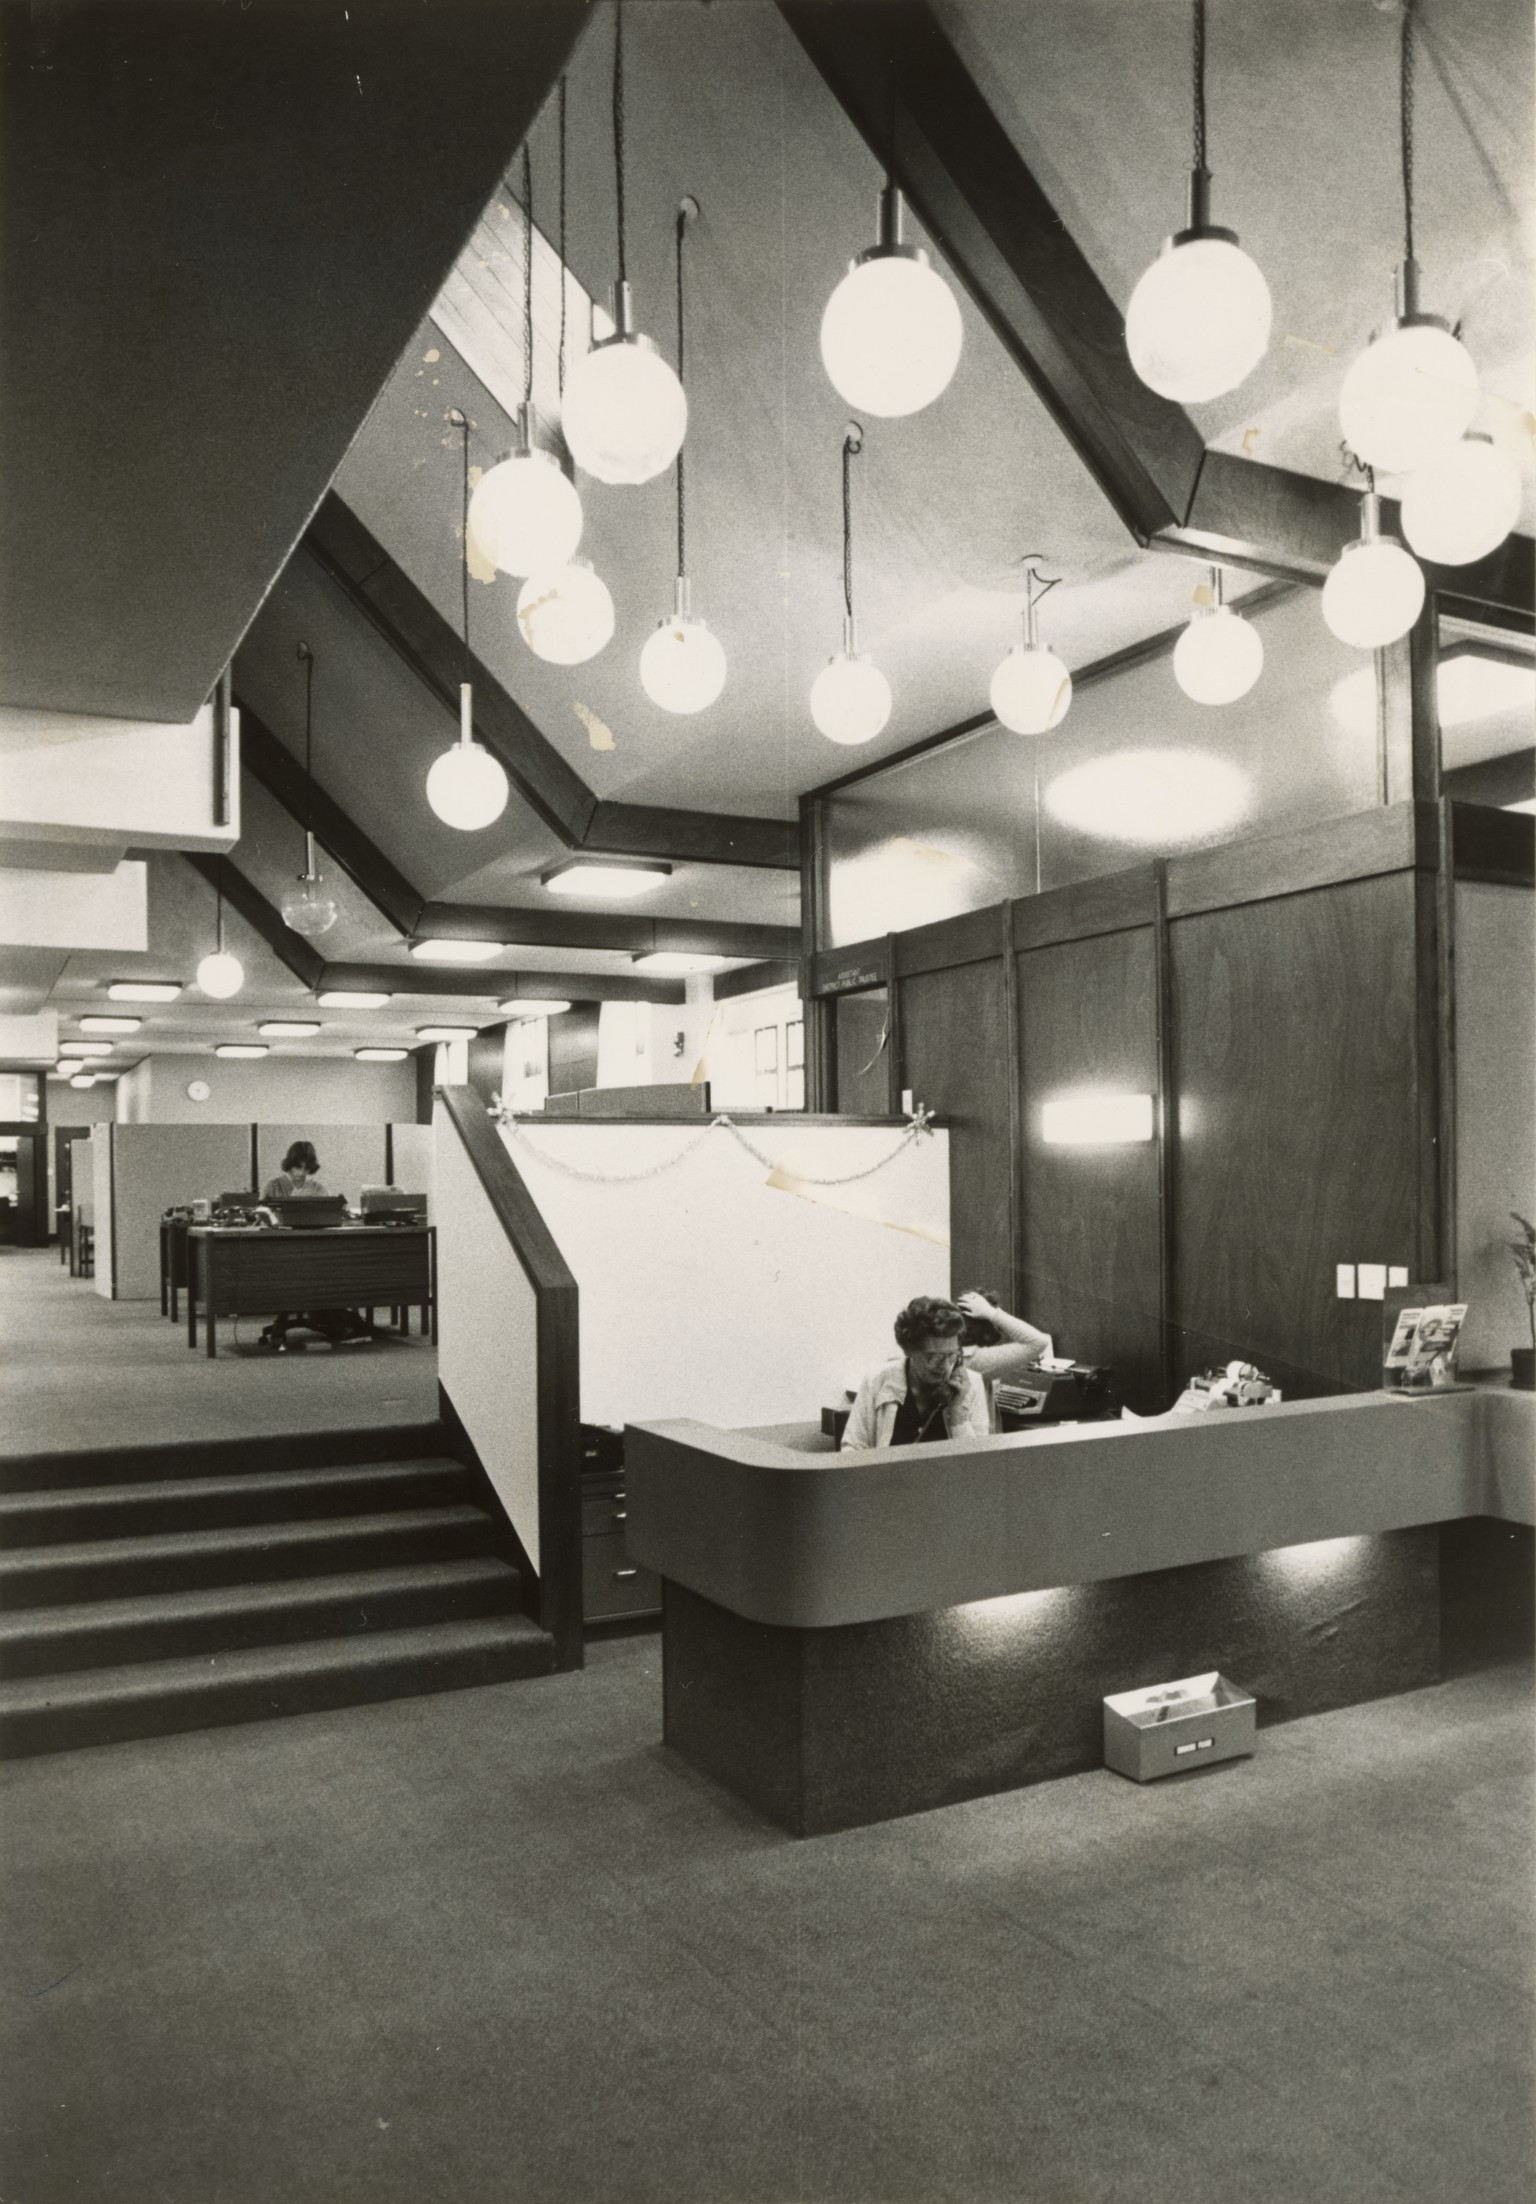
(581, 876)
(455, 952)
(145, 991)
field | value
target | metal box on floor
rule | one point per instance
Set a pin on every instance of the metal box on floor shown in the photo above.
(1166, 1729)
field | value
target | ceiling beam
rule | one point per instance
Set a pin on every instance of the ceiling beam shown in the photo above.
(410, 623)
(901, 83)
(553, 929)
(499, 987)
(364, 863)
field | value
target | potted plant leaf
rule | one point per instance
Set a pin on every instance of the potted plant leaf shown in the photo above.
(1522, 1360)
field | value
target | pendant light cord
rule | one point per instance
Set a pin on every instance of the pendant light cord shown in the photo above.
(618, 128)
(851, 444)
(682, 534)
(560, 366)
(463, 424)
(308, 657)
(1407, 128)
(527, 283)
(1198, 61)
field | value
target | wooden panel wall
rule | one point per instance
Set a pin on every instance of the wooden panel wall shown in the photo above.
(1295, 1035)
(1089, 1217)
(863, 1068)
(573, 1049)
(954, 1044)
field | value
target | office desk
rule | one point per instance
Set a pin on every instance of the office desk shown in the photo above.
(252, 1270)
(173, 1264)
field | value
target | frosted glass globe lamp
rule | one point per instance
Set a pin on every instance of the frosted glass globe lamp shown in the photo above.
(221, 975)
(566, 616)
(466, 786)
(525, 515)
(1460, 505)
(1031, 690)
(307, 908)
(1198, 321)
(891, 332)
(1376, 591)
(1219, 656)
(850, 697)
(625, 414)
(682, 667)
(1413, 390)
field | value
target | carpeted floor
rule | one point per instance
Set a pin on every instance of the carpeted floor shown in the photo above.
(80, 1371)
(500, 1946)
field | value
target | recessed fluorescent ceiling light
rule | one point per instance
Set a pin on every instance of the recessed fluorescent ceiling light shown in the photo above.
(1468, 687)
(455, 952)
(83, 1079)
(446, 1032)
(85, 1048)
(351, 998)
(240, 1048)
(578, 877)
(144, 991)
(527, 1006)
(1152, 798)
(110, 1025)
(381, 1055)
(675, 963)
(289, 1029)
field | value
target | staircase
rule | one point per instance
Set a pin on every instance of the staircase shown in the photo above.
(146, 1590)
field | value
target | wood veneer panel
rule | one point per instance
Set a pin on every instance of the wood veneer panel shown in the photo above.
(1352, 848)
(950, 941)
(1102, 906)
(954, 1038)
(1091, 1263)
(1489, 844)
(1296, 1053)
(862, 1044)
(573, 1049)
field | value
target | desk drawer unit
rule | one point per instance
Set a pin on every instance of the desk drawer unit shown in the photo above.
(611, 1584)
(320, 1271)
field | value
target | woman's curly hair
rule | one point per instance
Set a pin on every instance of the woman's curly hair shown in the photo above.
(302, 1151)
(928, 1318)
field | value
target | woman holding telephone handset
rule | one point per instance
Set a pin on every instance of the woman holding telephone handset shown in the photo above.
(938, 1387)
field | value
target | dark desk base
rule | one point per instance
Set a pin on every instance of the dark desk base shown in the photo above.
(832, 1729)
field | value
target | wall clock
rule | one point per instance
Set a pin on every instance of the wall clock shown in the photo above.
(198, 1090)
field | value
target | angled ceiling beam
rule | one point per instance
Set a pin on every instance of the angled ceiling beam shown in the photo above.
(364, 863)
(407, 620)
(500, 987)
(291, 949)
(900, 81)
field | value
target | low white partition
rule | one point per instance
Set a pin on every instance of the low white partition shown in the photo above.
(487, 1321)
(412, 1172)
(101, 1206)
(721, 1286)
(150, 1169)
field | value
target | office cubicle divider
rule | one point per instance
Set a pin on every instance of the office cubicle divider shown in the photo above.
(508, 1354)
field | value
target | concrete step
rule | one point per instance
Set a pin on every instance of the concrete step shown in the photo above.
(194, 1503)
(94, 1466)
(155, 1698)
(173, 1561)
(158, 1626)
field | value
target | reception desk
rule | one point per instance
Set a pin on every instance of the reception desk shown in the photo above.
(849, 1636)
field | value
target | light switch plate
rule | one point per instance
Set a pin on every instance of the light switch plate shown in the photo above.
(1344, 1287)
(1373, 1281)
(906, 1100)
(1397, 1274)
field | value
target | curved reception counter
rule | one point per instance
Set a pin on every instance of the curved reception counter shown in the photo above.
(851, 1636)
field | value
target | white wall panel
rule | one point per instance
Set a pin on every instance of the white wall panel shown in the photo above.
(413, 1145)
(1495, 1111)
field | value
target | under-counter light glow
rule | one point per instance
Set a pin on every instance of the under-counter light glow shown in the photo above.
(527, 1006)
(1319, 1557)
(144, 991)
(578, 876)
(352, 998)
(446, 1032)
(1093, 1118)
(381, 1055)
(455, 952)
(110, 1025)
(241, 1050)
(1151, 798)
(288, 1029)
(676, 963)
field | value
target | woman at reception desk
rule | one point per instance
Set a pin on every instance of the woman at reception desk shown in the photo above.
(937, 1387)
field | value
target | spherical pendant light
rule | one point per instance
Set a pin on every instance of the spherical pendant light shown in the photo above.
(1376, 591)
(891, 332)
(466, 786)
(682, 667)
(566, 617)
(307, 908)
(221, 975)
(1220, 655)
(625, 414)
(1460, 505)
(1411, 393)
(1031, 690)
(1198, 321)
(850, 698)
(525, 515)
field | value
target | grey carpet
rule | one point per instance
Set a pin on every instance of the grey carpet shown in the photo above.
(80, 1371)
(500, 1946)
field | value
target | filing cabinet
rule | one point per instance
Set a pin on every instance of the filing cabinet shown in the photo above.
(612, 1586)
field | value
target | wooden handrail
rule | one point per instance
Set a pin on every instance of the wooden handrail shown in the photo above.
(557, 1362)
